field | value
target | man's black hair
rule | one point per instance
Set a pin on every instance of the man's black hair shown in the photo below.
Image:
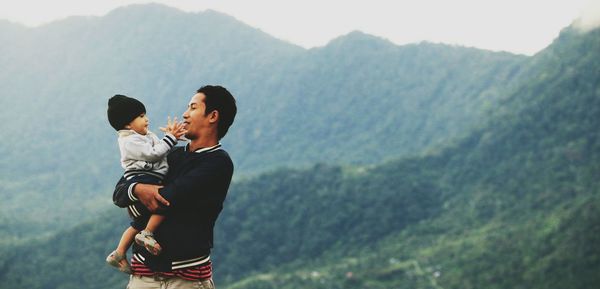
(220, 99)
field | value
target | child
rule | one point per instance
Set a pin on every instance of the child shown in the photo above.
(143, 156)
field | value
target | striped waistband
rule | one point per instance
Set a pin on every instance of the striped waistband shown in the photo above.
(199, 261)
(194, 273)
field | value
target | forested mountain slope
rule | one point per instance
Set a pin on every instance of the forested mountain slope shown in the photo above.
(358, 100)
(513, 204)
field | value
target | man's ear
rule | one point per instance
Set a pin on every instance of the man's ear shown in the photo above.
(213, 117)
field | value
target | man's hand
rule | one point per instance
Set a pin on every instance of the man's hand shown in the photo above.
(149, 196)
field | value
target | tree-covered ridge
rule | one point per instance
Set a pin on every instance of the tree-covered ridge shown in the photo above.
(519, 203)
(514, 204)
(358, 100)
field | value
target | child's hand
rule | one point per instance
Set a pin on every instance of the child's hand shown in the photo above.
(175, 128)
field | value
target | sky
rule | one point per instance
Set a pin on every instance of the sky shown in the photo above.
(517, 26)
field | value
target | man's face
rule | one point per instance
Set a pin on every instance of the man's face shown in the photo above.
(194, 119)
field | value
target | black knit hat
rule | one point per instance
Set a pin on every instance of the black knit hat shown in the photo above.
(122, 110)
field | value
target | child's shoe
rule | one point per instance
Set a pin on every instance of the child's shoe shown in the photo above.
(114, 259)
(146, 239)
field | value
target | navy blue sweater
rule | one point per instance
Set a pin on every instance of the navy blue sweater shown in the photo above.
(196, 186)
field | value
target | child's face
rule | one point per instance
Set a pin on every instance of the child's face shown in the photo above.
(139, 124)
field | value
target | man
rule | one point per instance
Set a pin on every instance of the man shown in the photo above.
(191, 199)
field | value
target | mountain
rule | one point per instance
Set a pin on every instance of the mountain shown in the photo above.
(512, 204)
(517, 199)
(358, 100)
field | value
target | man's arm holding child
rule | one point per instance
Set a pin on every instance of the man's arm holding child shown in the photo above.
(194, 188)
(128, 192)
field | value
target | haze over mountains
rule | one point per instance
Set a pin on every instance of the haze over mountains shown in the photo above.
(440, 166)
(297, 106)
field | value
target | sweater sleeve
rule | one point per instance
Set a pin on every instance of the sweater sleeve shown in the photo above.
(137, 148)
(204, 185)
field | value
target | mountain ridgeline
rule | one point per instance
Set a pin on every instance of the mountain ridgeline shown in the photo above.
(495, 184)
(358, 100)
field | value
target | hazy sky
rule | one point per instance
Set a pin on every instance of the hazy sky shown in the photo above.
(519, 26)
